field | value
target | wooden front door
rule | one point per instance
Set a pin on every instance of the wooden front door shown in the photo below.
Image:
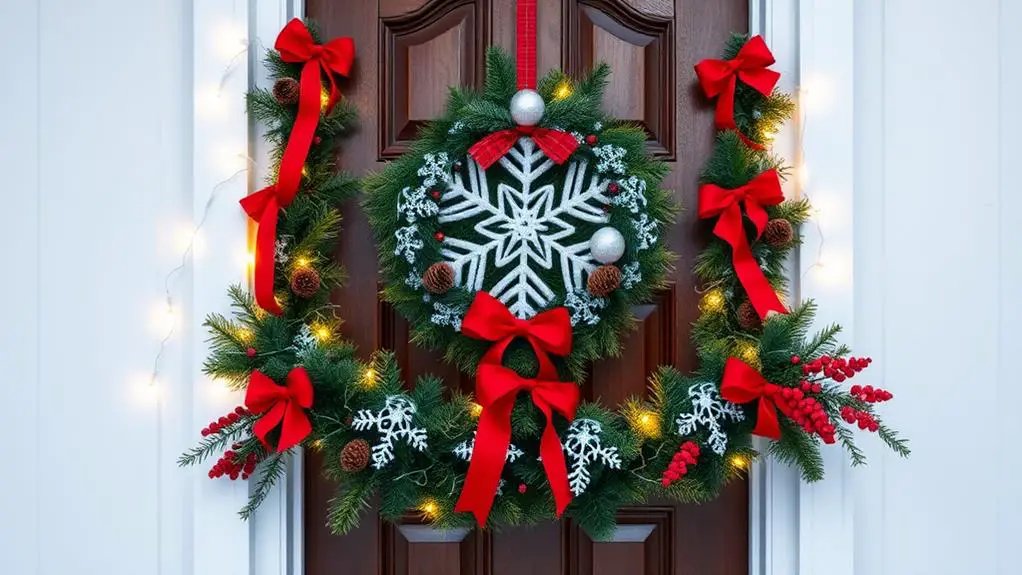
(408, 53)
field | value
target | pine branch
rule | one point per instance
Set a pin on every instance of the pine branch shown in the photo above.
(271, 470)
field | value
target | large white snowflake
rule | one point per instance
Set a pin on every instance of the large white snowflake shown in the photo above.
(708, 411)
(583, 447)
(393, 422)
(525, 229)
(464, 450)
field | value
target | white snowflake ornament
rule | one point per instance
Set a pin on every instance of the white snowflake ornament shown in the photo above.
(583, 447)
(408, 243)
(464, 449)
(392, 423)
(584, 307)
(709, 410)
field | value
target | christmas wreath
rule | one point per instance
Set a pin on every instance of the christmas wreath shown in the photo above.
(523, 449)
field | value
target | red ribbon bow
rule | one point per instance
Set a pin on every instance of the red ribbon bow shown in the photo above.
(763, 190)
(496, 390)
(296, 45)
(281, 403)
(557, 145)
(743, 384)
(489, 319)
(719, 78)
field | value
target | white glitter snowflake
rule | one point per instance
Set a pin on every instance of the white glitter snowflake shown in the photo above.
(597, 126)
(393, 422)
(444, 314)
(413, 280)
(611, 159)
(630, 275)
(280, 249)
(520, 230)
(415, 204)
(434, 170)
(646, 230)
(578, 137)
(408, 243)
(304, 343)
(708, 411)
(464, 450)
(583, 307)
(631, 194)
(583, 447)
(456, 127)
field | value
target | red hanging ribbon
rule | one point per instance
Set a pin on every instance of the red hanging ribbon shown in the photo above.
(525, 32)
(719, 78)
(490, 320)
(743, 384)
(496, 390)
(763, 190)
(557, 145)
(296, 45)
(281, 403)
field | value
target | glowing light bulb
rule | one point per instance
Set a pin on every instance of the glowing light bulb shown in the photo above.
(317, 444)
(645, 422)
(739, 462)
(475, 409)
(430, 509)
(748, 352)
(244, 334)
(369, 377)
(322, 332)
(324, 98)
(302, 262)
(712, 301)
(563, 90)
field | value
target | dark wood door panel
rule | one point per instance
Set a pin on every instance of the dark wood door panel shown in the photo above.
(408, 52)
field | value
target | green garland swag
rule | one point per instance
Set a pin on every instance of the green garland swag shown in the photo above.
(409, 448)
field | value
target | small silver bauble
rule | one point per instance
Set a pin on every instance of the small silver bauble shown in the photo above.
(527, 107)
(607, 245)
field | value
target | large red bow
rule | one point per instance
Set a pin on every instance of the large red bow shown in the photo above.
(496, 390)
(719, 78)
(281, 403)
(557, 145)
(763, 190)
(489, 319)
(295, 45)
(743, 384)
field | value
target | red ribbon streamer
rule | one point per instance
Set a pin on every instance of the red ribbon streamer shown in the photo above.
(496, 390)
(490, 320)
(743, 384)
(763, 190)
(281, 403)
(557, 145)
(296, 45)
(720, 77)
(525, 32)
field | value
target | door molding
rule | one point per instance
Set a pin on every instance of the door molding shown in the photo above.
(795, 528)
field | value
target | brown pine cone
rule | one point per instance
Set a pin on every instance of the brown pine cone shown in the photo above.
(439, 278)
(604, 280)
(286, 91)
(305, 282)
(748, 319)
(778, 233)
(355, 455)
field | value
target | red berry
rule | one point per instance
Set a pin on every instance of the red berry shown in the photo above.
(817, 388)
(665, 482)
(234, 475)
(222, 421)
(435, 194)
(839, 377)
(233, 417)
(211, 474)
(613, 188)
(439, 236)
(522, 488)
(205, 432)
(591, 140)
(795, 359)
(239, 410)
(316, 140)
(251, 352)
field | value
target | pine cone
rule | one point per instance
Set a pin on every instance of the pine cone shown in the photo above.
(286, 91)
(355, 455)
(748, 319)
(604, 280)
(439, 278)
(305, 282)
(778, 233)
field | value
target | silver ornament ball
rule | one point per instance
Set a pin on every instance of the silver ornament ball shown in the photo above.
(607, 245)
(527, 107)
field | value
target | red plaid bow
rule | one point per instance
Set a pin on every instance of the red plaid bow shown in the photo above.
(557, 145)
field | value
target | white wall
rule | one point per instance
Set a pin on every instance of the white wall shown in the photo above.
(938, 274)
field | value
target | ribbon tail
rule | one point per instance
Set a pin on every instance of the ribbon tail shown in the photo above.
(761, 294)
(292, 163)
(266, 247)
(296, 427)
(767, 424)
(267, 422)
(553, 462)
(725, 114)
(493, 437)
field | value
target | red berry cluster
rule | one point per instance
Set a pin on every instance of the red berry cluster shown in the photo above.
(218, 425)
(804, 410)
(870, 394)
(863, 419)
(687, 455)
(836, 368)
(233, 466)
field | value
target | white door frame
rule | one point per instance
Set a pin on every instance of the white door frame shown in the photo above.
(795, 528)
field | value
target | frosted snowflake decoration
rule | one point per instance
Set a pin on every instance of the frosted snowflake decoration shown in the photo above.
(631, 194)
(408, 243)
(584, 307)
(708, 411)
(584, 447)
(464, 449)
(280, 249)
(630, 275)
(444, 314)
(525, 233)
(456, 127)
(415, 204)
(393, 422)
(611, 159)
(645, 230)
(413, 280)
(434, 169)
(597, 126)
(304, 343)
